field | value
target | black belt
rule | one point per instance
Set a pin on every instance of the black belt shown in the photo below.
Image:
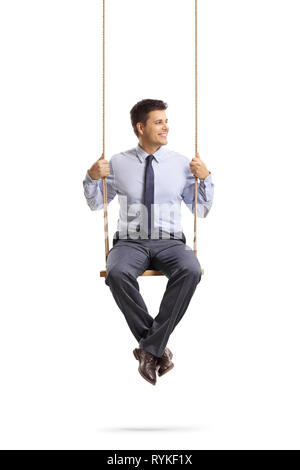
(172, 236)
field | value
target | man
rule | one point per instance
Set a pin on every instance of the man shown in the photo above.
(151, 181)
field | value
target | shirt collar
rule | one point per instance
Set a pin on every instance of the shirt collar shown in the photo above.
(141, 154)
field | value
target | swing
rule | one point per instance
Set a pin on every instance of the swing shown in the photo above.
(149, 272)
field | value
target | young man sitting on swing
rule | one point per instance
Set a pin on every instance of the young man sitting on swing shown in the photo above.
(151, 181)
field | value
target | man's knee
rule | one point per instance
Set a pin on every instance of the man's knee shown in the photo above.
(193, 271)
(116, 275)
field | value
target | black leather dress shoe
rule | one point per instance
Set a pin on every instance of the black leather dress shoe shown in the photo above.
(165, 364)
(147, 365)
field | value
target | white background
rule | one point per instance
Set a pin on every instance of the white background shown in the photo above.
(68, 376)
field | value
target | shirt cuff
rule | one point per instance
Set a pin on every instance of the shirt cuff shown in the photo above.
(206, 180)
(88, 178)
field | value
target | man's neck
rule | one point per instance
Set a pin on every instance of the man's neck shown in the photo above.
(149, 149)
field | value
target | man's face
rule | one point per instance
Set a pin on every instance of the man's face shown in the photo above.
(155, 132)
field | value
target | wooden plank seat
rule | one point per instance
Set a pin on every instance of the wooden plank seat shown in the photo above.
(148, 272)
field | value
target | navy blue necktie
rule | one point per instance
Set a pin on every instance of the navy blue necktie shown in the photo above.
(149, 190)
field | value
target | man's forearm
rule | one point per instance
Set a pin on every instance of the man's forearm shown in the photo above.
(93, 192)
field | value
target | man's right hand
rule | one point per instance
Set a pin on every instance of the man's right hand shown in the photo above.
(100, 169)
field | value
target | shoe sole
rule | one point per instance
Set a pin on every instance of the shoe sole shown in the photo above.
(135, 353)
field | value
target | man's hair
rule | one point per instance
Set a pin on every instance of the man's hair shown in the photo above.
(139, 112)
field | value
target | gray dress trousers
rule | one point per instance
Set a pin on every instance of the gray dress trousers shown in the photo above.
(127, 259)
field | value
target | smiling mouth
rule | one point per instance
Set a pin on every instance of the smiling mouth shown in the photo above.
(163, 135)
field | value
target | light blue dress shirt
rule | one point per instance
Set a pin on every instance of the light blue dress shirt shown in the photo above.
(173, 182)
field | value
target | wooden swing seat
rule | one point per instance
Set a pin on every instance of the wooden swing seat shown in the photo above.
(148, 272)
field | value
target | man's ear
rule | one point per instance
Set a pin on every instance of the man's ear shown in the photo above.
(139, 128)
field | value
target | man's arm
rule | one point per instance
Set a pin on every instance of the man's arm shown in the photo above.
(93, 188)
(205, 189)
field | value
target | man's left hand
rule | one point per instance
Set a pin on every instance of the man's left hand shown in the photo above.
(198, 167)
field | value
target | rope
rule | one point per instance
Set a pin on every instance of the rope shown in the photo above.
(196, 125)
(196, 132)
(103, 133)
